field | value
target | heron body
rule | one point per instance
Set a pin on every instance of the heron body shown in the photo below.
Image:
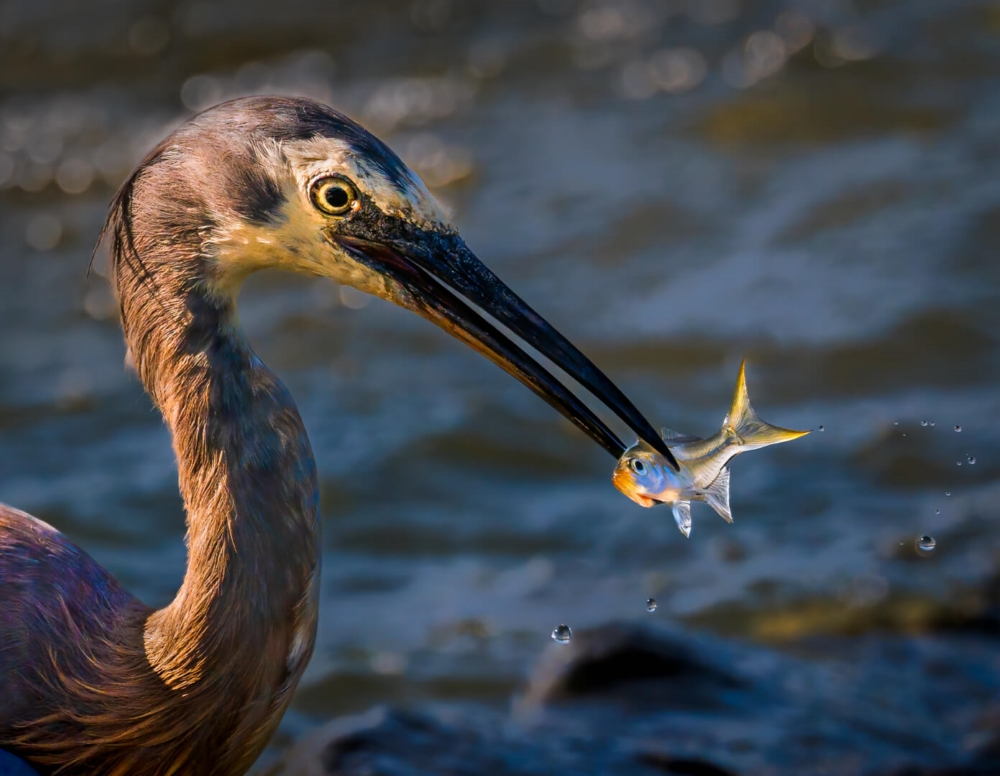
(92, 681)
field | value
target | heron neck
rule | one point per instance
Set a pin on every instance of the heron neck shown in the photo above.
(244, 618)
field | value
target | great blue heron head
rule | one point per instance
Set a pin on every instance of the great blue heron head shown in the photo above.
(271, 182)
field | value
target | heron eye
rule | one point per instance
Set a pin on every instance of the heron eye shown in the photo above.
(334, 196)
(637, 466)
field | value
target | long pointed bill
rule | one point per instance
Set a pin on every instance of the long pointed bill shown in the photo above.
(416, 268)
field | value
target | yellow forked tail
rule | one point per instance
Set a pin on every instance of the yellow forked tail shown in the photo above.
(744, 422)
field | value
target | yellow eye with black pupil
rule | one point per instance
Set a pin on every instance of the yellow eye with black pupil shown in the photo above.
(335, 196)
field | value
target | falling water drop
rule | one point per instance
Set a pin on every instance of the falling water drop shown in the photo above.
(958, 463)
(923, 423)
(932, 424)
(926, 543)
(937, 511)
(958, 428)
(822, 428)
(650, 604)
(895, 422)
(947, 493)
(562, 634)
(971, 459)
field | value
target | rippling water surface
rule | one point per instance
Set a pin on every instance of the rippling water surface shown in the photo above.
(675, 185)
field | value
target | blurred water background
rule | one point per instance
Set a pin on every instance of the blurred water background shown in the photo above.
(675, 184)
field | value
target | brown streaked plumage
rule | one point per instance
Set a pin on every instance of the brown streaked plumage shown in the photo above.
(91, 680)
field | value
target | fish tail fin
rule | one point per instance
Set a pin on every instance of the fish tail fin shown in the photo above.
(743, 421)
(682, 516)
(717, 495)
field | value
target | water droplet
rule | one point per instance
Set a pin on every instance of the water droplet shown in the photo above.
(958, 428)
(895, 422)
(971, 459)
(562, 634)
(947, 493)
(937, 511)
(958, 463)
(923, 423)
(822, 428)
(650, 604)
(932, 424)
(904, 433)
(926, 543)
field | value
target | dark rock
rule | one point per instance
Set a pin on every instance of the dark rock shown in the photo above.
(635, 664)
(639, 700)
(679, 766)
(394, 742)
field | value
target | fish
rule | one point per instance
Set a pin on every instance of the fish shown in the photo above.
(647, 478)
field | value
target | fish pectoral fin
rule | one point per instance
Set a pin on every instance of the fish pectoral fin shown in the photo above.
(682, 516)
(676, 437)
(717, 495)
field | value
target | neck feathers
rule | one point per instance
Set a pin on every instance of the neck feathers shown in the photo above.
(242, 626)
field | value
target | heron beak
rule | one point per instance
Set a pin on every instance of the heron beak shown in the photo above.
(432, 271)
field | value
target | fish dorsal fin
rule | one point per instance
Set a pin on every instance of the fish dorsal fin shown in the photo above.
(676, 437)
(717, 495)
(682, 516)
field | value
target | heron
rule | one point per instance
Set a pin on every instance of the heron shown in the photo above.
(93, 681)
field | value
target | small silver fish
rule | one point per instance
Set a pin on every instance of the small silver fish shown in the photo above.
(644, 476)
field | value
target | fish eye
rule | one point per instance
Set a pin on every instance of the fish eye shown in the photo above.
(334, 195)
(637, 466)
